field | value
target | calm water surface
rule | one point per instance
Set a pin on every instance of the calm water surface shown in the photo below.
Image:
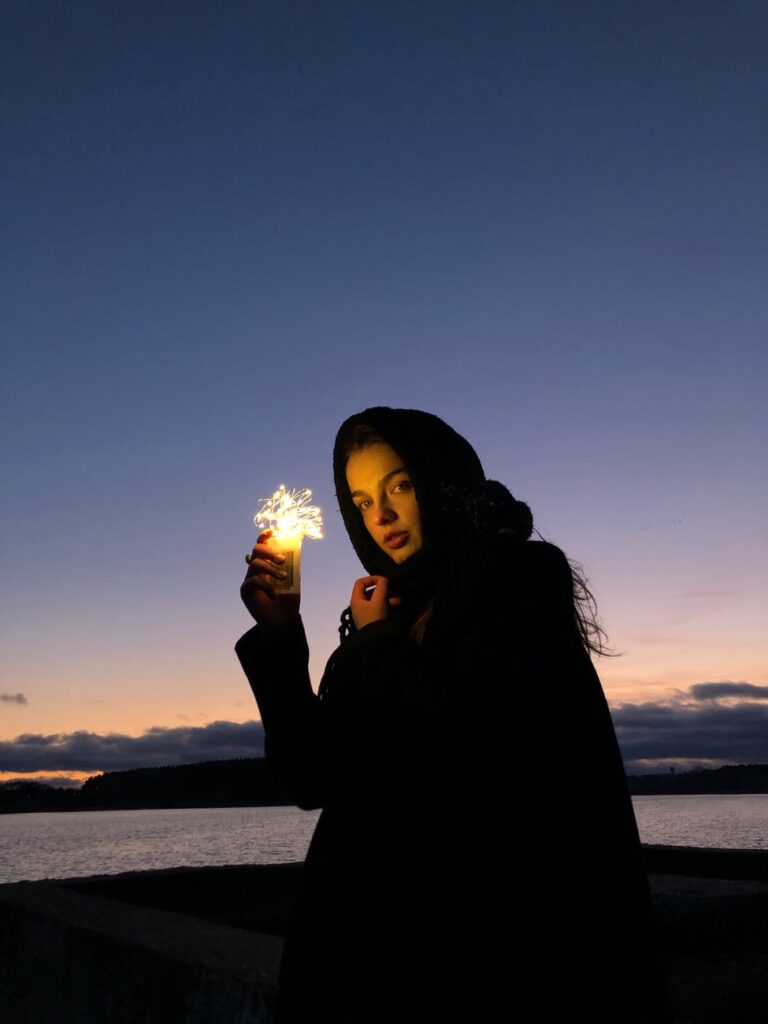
(69, 844)
(79, 843)
(733, 821)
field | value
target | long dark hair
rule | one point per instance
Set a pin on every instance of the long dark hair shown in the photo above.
(593, 636)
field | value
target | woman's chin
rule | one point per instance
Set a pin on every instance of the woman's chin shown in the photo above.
(403, 554)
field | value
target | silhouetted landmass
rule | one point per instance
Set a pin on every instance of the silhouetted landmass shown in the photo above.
(733, 778)
(36, 796)
(246, 782)
(239, 783)
(243, 782)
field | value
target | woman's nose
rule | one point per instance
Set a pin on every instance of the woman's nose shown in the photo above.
(383, 514)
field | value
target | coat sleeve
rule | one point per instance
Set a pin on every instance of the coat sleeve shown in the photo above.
(357, 740)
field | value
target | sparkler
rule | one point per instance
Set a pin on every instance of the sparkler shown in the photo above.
(291, 518)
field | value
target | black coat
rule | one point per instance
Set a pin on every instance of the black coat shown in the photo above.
(477, 846)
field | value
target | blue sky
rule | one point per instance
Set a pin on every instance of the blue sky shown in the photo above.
(229, 227)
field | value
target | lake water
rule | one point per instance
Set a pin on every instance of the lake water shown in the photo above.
(80, 843)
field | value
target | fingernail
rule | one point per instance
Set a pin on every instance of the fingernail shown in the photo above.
(280, 558)
(283, 575)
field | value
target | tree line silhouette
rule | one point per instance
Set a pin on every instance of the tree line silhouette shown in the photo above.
(241, 782)
(246, 782)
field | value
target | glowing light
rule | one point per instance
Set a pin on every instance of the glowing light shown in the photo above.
(290, 515)
(291, 518)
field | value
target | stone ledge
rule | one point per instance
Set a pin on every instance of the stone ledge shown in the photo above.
(203, 945)
(68, 957)
(702, 862)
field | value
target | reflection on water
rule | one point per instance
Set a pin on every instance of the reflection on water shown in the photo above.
(734, 821)
(69, 844)
(79, 843)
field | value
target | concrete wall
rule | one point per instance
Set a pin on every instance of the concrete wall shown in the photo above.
(203, 945)
(69, 952)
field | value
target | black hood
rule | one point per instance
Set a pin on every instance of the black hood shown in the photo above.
(446, 473)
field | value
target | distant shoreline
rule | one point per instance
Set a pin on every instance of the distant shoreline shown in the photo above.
(246, 782)
(222, 806)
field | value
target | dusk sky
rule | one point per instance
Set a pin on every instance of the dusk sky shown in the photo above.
(227, 227)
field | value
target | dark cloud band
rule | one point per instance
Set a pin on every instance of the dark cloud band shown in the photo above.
(716, 691)
(696, 728)
(693, 728)
(89, 751)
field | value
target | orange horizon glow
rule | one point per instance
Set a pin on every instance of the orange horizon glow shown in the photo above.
(45, 776)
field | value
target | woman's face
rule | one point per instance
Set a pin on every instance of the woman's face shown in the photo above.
(382, 491)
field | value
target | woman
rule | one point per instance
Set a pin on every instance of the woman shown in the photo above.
(477, 856)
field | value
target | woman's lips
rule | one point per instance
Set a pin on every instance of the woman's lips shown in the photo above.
(397, 540)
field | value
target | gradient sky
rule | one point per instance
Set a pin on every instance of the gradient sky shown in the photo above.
(228, 227)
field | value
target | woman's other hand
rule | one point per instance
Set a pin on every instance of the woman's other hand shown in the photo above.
(370, 605)
(267, 606)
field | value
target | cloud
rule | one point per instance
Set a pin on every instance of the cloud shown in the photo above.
(13, 698)
(714, 691)
(94, 752)
(692, 728)
(695, 728)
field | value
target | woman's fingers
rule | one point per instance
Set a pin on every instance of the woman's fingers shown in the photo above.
(380, 593)
(261, 568)
(363, 588)
(369, 599)
(257, 592)
(260, 565)
(262, 550)
(265, 552)
(253, 584)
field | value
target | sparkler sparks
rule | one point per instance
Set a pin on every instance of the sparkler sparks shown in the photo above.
(290, 515)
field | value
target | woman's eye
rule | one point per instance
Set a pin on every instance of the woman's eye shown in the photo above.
(402, 485)
(364, 504)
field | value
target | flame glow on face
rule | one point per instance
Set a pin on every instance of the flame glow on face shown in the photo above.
(383, 493)
(289, 515)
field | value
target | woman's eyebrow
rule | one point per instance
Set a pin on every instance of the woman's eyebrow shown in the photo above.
(391, 473)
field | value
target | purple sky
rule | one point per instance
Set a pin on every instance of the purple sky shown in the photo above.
(228, 229)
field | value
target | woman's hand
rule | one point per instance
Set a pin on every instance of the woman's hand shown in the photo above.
(259, 597)
(370, 607)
